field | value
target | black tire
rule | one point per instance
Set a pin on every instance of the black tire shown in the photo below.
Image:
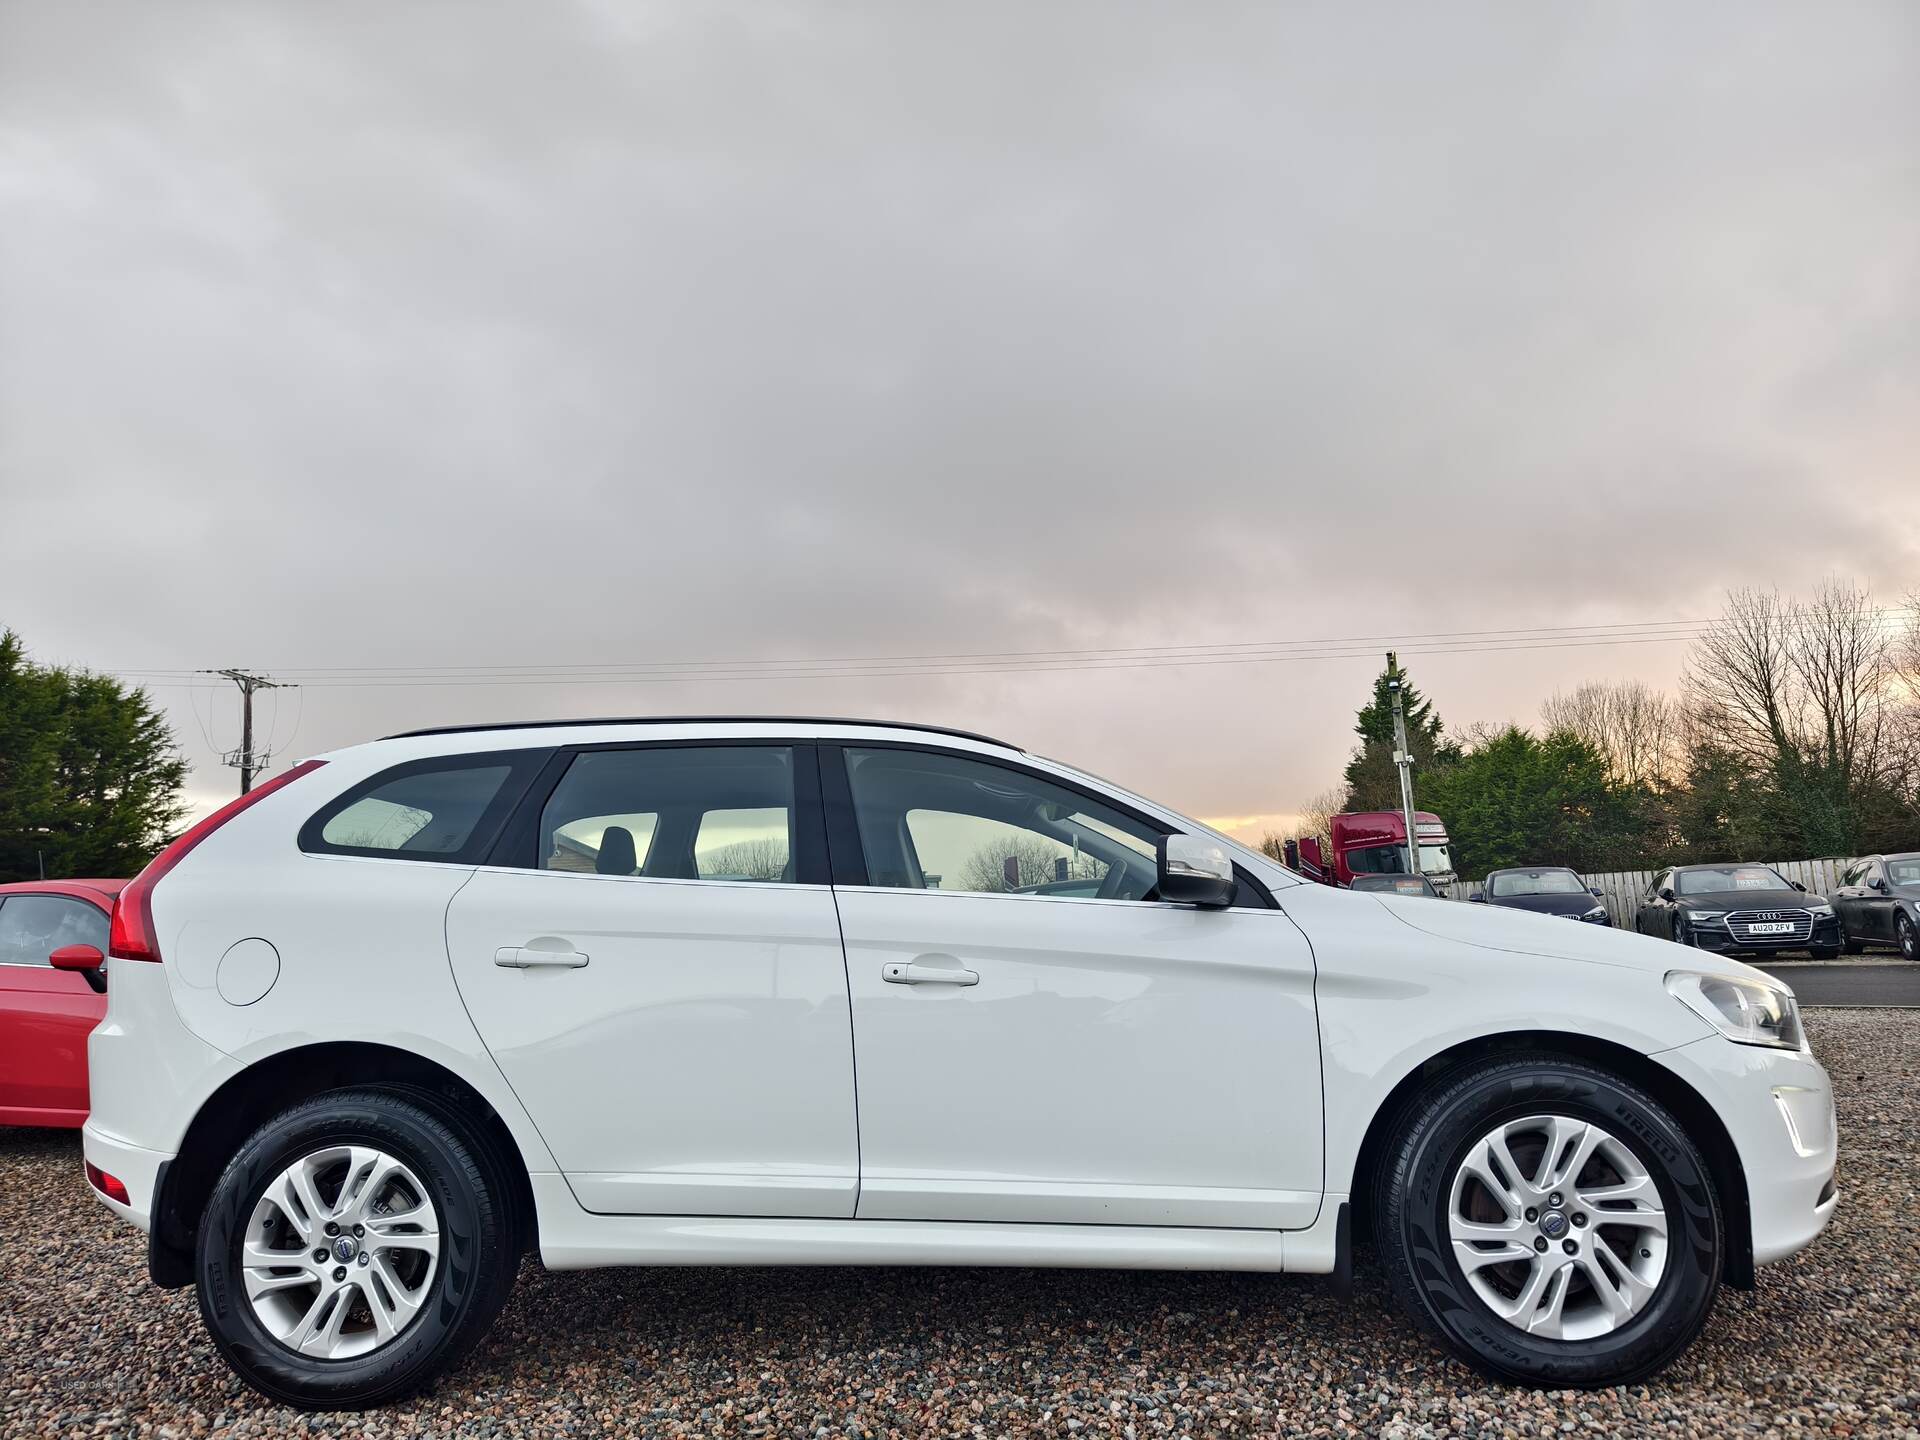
(475, 1271)
(1824, 952)
(1412, 1193)
(1906, 938)
(1853, 946)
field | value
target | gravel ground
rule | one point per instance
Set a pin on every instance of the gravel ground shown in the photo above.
(1829, 1345)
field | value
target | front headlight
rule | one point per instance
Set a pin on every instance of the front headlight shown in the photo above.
(1745, 1011)
(1704, 917)
(1595, 913)
(1818, 908)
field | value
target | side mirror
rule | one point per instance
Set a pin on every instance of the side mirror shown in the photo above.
(1666, 892)
(86, 959)
(1798, 886)
(1195, 871)
(1879, 882)
(1478, 897)
(1596, 892)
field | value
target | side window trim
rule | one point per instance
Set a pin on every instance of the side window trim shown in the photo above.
(518, 845)
(522, 767)
(843, 830)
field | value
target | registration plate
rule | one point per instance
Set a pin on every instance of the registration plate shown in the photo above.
(1770, 927)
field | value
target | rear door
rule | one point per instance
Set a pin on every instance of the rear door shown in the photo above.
(654, 962)
(45, 1014)
(1039, 1038)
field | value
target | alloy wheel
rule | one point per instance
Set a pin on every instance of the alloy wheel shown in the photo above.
(1909, 944)
(1558, 1227)
(340, 1252)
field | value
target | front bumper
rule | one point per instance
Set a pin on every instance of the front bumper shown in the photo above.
(1777, 1106)
(1718, 939)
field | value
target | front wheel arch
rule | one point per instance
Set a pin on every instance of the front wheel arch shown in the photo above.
(1689, 1107)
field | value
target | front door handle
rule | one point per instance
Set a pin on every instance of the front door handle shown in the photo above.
(915, 973)
(525, 957)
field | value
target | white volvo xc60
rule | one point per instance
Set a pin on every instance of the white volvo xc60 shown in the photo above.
(779, 991)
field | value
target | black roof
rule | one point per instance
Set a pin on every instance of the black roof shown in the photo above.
(698, 720)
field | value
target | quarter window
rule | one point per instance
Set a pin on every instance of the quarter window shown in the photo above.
(929, 821)
(32, 927)
(708, 812)
(437, 810)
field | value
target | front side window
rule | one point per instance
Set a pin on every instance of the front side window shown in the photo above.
(32, 927)
(699, 812)
(930, 821)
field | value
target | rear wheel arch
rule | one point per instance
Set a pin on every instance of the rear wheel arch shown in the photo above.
(265, 1089)
(1703, 1125)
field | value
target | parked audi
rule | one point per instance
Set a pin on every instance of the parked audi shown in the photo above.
(53, 938)
(1878, 903)
(412, 1008)
(1545, 890)
(1737, 909)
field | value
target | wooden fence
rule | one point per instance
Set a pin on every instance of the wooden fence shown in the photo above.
(1621, 890)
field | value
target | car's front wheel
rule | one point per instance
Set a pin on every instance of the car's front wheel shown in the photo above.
(1550, 1222)
(357, 1245)
(1906, 938)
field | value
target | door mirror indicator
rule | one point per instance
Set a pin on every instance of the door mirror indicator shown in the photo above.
(1195, 871)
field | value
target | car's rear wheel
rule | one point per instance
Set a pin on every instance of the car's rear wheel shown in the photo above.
(1906, 938)
(1550, 1222)
(357, 1245)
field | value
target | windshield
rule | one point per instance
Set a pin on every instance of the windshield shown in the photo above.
(1537, 882)
(1392, 860)
(1904, 872)
(1396, 884)
(1714, 878)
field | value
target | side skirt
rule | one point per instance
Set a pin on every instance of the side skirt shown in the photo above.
(573, 1239)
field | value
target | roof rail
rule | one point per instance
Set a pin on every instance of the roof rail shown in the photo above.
(701, 720)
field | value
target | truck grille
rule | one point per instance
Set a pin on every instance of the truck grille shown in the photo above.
(1741, 922)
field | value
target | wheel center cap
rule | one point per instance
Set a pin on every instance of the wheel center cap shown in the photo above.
(1553, 1224)
(343, 1249)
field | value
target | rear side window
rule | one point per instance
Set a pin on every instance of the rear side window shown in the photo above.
(445, 809)
(32, 927)
(711, 812)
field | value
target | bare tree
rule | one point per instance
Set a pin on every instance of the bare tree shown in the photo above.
(764, 858)
(1804, 694)
(1036, 860)
(1633, 725)
(1314, 822)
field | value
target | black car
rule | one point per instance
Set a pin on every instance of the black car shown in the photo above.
(1397, 885)
(1547, 889)
(1743, 909)
(1878, 903)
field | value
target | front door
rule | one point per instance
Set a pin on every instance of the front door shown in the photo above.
(1040, 1039)
(661, 981)
(45, 1014)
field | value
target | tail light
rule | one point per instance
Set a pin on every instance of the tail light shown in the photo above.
(132, 936)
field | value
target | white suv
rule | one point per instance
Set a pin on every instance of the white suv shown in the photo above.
(718, 992)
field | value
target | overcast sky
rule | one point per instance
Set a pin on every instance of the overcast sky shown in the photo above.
(418, 335)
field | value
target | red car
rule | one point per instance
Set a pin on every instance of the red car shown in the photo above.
(53, 935)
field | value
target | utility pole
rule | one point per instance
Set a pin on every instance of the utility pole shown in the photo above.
(1403, 761)
(246, 759)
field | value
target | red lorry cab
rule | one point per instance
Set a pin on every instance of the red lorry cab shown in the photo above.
(1374, 842)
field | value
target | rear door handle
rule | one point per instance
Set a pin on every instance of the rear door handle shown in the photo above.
(914, 973)
(524, 957)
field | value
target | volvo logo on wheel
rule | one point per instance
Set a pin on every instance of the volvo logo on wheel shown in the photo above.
(343, 1249)
(1553, 1224)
